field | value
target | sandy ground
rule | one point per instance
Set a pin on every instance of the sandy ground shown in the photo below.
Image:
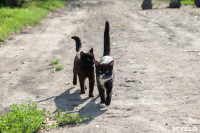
(157, 62)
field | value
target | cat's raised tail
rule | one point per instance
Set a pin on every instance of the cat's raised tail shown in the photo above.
(78, 43)
(107, 39)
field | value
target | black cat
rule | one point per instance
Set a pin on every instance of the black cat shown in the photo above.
(105, 71)
(84, 67)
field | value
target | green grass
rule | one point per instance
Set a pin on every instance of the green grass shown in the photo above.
(58, 68)
(14, 19)
(185, 2)
(24, 118)
(70, 119)
(27, 118)
(55, 61)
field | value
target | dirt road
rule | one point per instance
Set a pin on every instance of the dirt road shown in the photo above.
(157, 62)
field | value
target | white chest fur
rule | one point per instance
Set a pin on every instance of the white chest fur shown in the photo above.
(102, 82)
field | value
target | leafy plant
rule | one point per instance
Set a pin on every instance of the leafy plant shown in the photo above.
(69, 119)
(58, 68)
(55, 61)
(24, 118)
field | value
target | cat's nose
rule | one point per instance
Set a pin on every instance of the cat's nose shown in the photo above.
(103, 76)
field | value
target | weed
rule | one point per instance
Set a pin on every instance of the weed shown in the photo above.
(24, 118)
(55, 61)
(69, 119)
(185, 2)
(58, 68)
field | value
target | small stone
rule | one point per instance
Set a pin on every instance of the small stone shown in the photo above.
(68, 83)
(130, 80)
(22, 48)
(197, 3)
(131, 62)
(175, 4)
(97, 126)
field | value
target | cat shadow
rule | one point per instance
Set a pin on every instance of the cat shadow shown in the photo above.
(92, 110)
(69, 101)
(75, 104)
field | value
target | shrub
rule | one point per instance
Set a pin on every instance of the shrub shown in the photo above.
(24, 118)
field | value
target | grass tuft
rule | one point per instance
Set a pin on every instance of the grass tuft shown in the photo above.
(70, 119)
(58, 68)
(55, 61)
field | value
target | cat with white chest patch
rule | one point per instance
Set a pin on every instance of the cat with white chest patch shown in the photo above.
(105, 71)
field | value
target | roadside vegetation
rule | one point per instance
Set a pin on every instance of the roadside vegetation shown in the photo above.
(185, 2)
(14, 19)
(66, 118)
(27, 118)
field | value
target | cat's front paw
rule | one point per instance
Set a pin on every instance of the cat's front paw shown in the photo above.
(91, 95)
(82, 92)
(102, 105)
(74, 82)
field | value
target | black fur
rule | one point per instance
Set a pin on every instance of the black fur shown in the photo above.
(106, 39)
(84, 68)
(78, 43)
(104, 70)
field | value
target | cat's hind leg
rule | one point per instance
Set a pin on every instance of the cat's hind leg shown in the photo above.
(91, 86)
(74, 77)
(82, 84)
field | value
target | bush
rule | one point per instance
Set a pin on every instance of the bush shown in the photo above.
(24, 118)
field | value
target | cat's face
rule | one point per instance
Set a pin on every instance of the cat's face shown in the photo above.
(104, 71)
(87, 58)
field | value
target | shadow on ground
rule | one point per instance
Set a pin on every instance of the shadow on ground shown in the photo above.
(75, 104)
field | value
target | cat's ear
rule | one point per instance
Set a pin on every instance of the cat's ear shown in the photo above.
(96, 63)
(82, 53)
(111, 63)
(91, 51)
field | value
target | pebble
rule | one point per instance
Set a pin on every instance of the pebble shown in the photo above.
(130, 80)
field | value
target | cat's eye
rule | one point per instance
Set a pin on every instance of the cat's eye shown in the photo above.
(100, 71)
(107, 71)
